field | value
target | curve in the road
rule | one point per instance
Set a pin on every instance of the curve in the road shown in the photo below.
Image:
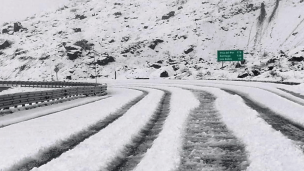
(271, 91)
(292, 93)
(54, 152)
(208, 143)
(140, 144)
(288, 128)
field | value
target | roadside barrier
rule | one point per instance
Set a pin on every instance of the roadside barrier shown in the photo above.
(52, 84)
(15, 99)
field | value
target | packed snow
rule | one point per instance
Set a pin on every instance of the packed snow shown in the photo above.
(265, 153)
(96, 152)
(28, 138)
(165, 152)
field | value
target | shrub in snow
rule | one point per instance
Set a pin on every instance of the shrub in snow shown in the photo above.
(81, 17)
(77, 30)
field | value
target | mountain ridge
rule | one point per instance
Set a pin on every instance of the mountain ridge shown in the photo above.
(149, 39)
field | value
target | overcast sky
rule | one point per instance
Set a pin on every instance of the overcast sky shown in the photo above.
(12, 10)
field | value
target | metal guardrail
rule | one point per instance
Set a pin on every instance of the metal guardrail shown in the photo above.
(82, 89)
(53, 84)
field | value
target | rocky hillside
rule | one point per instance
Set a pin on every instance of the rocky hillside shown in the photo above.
(157, 38)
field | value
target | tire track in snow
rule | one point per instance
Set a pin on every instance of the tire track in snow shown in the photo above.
(288, 128)
(208, 144)
(54, 152)
(294, 94)
(140, 144)
(283, 95)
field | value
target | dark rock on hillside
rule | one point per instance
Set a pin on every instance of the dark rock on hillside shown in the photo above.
(8, 30)
(296, 59)
(225, 28)
(134, 48)
(272, 60)
(69, 77)
(169, 15)
(164, 74)
(125, 39)
(160, 61)
(117, 14)
(4, 44)
(282, 54)
(81, 17)
(156, 66)
(243, 75)
(77, 30)
(188, 50)
(17, 26)
(74, 54)
(238, 65)
(256, 72)
(70, 47)
(73, 51)
(84, 44)
(155, 43)
(270, 67)
(105, 60)
(175, 67)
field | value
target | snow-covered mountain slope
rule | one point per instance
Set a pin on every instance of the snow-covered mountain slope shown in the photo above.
(141, 39)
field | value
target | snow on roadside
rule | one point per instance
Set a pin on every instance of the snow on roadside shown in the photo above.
(164, 154)
(27, 139)
(23, 89)
(268, 149)
(100, 149)
(41, 111)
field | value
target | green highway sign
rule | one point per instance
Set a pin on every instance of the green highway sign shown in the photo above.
(230, 55)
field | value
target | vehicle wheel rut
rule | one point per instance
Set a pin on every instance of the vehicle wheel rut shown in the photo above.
(140, 144)
(208, 144)
(295, 94)
(288, 128)
(54, 152)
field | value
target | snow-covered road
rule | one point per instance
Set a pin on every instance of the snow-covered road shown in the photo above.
(165, 125)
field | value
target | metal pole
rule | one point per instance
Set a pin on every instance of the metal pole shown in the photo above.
(95, 69)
